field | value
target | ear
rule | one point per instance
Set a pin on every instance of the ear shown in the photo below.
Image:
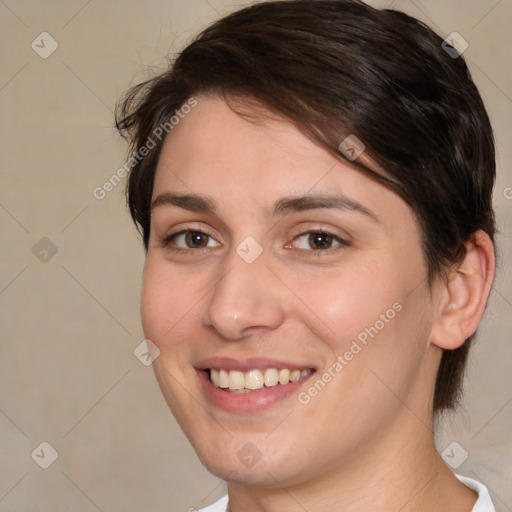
(464, 294)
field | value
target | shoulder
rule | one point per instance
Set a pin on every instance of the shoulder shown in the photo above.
(218, 506)
(484, 502)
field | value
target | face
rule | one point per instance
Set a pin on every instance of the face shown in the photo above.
(297, 285)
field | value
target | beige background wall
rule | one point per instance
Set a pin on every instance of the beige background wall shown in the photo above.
(69, 321)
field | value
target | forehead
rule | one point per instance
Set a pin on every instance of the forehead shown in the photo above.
(255, 158)
(213, 139)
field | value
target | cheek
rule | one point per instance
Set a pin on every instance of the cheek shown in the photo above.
(155, 299)
(350, 300)
(377, 340)
(165, 302)
(167, 310)
(373, 314)
(379, 321)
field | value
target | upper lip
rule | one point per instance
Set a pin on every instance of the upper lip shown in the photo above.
(247, 364)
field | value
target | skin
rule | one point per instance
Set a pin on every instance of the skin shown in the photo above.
(365, 442)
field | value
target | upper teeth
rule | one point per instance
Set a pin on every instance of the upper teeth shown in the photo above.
(255, 379)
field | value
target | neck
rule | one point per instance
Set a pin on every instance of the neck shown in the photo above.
(400, 471)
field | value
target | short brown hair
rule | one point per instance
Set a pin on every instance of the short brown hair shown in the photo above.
(340, 67)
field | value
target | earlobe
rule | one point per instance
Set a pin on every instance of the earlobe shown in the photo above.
(464, 294)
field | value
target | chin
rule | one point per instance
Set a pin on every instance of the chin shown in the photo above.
(249, 466)
(260, 475)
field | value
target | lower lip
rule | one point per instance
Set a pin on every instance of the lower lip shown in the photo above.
(253, 401)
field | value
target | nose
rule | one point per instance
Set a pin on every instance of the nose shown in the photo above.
(245, 300)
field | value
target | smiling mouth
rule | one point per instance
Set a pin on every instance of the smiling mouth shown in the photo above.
(255, 380)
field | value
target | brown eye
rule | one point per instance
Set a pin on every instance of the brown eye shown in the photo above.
(317, 241)
(196, 239)
(320, 241)
(191, 240)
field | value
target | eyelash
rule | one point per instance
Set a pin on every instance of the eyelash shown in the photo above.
(342, 243)
(166, 241)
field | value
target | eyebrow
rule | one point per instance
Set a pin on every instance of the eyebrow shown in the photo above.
(202, 204)
(191, 202)
(313, 202)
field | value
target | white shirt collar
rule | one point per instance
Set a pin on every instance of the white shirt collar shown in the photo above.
(484, 502)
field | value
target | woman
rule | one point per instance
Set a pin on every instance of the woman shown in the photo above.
(313, 184)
